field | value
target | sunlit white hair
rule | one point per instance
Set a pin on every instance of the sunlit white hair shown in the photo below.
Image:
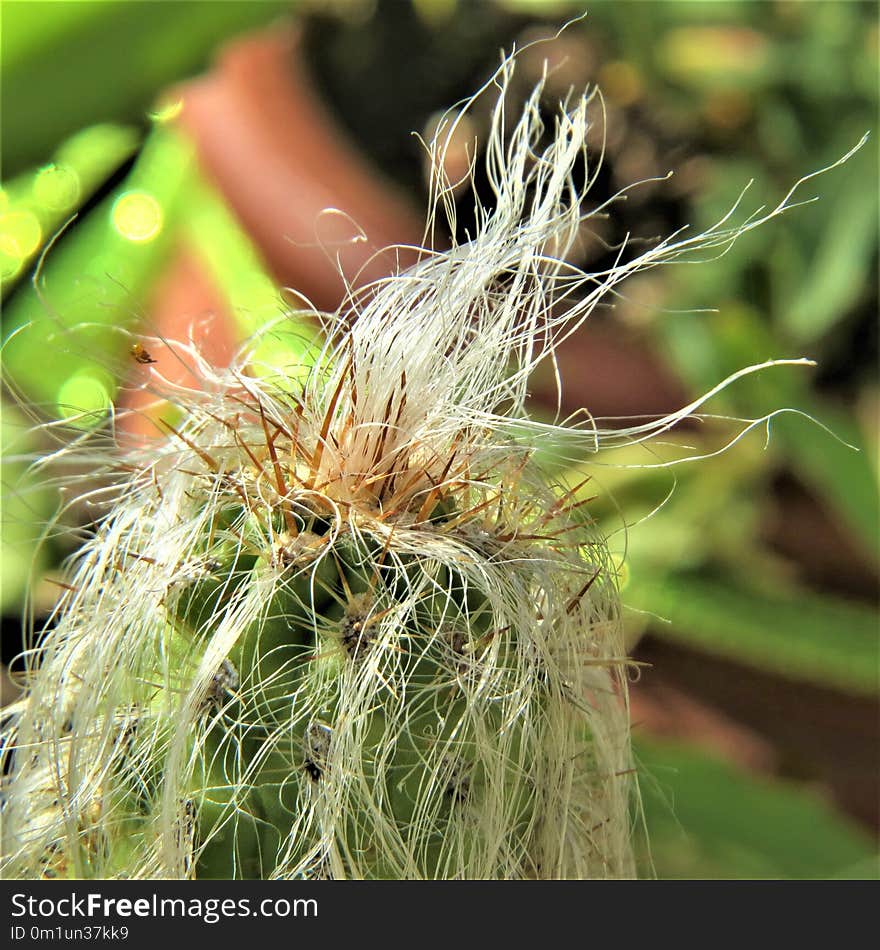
(417, 405)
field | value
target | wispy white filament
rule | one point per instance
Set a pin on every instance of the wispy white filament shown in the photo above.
(338, 624)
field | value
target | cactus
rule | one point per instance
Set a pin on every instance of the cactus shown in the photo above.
(340, 623)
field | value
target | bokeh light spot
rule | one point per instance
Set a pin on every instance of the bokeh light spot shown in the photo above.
(622, 82)
(84, 399)
(167, 111)
(10, 265)
(57, 187)
(435, 12)
(137, 216)
(20, 234)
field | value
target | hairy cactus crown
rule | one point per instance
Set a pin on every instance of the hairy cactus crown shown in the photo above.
(339, 623)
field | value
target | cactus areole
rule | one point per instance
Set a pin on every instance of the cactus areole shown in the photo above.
(339, 624)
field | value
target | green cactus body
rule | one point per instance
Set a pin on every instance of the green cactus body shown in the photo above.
(370, 712)
(358, 680)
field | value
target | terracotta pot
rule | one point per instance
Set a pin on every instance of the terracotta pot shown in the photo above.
(274, 151)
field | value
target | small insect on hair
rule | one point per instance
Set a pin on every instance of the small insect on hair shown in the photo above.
(140, 354)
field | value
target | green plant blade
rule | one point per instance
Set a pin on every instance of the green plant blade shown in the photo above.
(802, 636)
(707, 819)
(52, 53)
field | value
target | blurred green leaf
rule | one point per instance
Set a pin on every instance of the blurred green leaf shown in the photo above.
(839, 467)
(837, 464)
(64, 341)
(802, 636)
(707, 819)
(837, 272)
(68, 342)
(53, 52)
(26, 510)
(681, 516)
(36, 204)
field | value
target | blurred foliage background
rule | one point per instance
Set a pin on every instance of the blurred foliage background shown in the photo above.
(750, 578)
